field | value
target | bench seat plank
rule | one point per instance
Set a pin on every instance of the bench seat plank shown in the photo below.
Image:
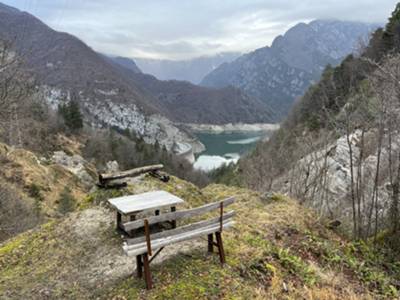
(181, 229)
(162, 242)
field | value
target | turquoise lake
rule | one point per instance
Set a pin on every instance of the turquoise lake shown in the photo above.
(225, 148)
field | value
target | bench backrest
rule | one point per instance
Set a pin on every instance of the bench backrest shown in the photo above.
(149, 241)
(178, 215)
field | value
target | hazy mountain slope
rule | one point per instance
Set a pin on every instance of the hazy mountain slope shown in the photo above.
(279, 74)
(192, 70)
(67, 69)
(127, 63)
(188, 103)
(184, 102)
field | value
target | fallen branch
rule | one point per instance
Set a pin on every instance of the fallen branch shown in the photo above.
(104, 178)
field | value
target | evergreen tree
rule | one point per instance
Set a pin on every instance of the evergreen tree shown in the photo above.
(72, 115)
(391, 36)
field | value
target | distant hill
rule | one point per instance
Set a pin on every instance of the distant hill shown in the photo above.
(192, 70)
(277, 75)
(188, 103)
(127, 63)
(184, 102)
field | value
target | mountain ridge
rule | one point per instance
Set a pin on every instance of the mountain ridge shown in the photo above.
(192, 70)
(282, 72)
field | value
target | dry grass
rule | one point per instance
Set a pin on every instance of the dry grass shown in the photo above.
(276, 250)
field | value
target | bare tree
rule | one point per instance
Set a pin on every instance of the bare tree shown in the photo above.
(16, 90)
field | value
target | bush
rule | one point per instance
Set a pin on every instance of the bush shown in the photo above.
(66, 202)
(16, 213)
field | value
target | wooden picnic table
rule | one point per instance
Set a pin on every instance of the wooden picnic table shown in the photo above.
(131, 206)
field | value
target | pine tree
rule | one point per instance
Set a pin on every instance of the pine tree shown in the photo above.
(72, 115)
(391, 36)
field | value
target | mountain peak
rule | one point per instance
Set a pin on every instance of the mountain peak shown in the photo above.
(277, 75)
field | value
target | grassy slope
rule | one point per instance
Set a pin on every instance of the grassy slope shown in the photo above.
(21, 169)
(276, 250)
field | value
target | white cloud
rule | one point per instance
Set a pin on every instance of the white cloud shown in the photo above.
(180, 29)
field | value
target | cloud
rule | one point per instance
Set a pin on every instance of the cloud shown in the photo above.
(179, 29)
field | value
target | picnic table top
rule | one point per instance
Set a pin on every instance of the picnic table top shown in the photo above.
(145, 201)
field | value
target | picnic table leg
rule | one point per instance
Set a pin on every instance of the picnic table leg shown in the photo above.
(139, 266)
(210, 243)
(147, 274)
(220, 247)
(173, 223)
(119, 219)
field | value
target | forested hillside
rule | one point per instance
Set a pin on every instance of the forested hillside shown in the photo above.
(279, 74)
(338, 151)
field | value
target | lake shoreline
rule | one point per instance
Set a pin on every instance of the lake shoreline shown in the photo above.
(231, 128)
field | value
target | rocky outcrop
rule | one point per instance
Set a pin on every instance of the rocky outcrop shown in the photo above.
(323, 179)
(76, 165)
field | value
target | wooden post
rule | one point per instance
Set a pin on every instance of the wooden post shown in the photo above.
(139, 266)
(210, 243)
(220, 247)
(221, 216)
(147, 274)
(147, 233)
(173, 223)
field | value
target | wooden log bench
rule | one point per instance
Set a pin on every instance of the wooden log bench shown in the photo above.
(105, 179)
(144, 247)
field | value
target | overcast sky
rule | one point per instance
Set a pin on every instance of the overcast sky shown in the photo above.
(181, 29)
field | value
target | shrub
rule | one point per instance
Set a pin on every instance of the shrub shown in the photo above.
(66, 202)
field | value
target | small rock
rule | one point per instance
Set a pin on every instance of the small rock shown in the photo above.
(267, 196)
(112, 166)
(284, 287)
(334, 224)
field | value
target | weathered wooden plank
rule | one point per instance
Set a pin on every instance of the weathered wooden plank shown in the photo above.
(178, 214)
(141, 244)
(103, 178)
(146, 201)
(181, 229)
(176, 239)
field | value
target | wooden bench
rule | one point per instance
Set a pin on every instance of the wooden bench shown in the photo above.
(143, 247)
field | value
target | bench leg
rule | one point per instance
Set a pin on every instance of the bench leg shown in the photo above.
(139, 266)
(147, 274)
(210, 243)
(220, 247)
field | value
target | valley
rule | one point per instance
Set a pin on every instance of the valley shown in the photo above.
(130, 127)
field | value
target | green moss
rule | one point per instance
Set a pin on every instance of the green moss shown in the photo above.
(278, 198)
